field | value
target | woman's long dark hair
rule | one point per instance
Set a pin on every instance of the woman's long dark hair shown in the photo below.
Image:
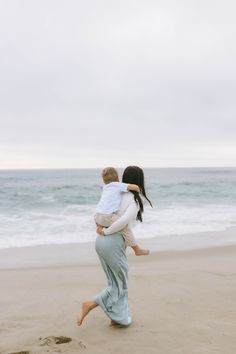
(135, 175)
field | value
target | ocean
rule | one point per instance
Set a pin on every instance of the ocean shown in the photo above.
(40, 207)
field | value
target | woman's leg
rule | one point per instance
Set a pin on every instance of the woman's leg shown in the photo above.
(114, 299)
(87, 306)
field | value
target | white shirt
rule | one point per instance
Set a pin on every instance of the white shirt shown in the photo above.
(111, 197)
(128, 212)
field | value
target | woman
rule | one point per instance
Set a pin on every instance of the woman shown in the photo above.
(111, 251)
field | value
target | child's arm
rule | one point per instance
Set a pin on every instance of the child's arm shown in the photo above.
(133, 187)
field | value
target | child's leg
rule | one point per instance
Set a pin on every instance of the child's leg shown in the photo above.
(130, 241)
(140, 251)
(103, 219)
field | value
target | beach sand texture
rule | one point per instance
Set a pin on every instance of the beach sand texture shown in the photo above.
(182, 302)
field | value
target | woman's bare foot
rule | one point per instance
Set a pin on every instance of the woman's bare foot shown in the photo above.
(140, 251)
(113, 323)
(87, 306)
(116, 324)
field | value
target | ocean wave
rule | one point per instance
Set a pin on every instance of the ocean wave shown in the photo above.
(42, 207)
(75, 224)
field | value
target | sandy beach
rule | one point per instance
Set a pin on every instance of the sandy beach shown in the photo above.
(181, 302)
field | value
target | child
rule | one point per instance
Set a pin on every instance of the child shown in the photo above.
(109, 204)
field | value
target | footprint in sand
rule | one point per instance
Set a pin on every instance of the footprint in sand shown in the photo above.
(54, 340)
(51, 340)
(82, 345)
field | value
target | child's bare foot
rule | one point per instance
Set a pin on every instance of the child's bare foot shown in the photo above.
(140, 251)
(87, 306)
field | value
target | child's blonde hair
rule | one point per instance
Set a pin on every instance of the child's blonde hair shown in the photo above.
(109, 174)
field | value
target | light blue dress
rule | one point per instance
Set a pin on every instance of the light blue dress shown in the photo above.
(114, 299)
(111, 251)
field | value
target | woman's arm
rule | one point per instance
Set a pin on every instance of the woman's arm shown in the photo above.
(129, 215)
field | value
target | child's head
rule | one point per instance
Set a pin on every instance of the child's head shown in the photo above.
(109, 174)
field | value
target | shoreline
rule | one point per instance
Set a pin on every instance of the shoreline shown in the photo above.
(56, 255)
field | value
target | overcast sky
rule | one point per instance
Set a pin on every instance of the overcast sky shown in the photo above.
(102, 82)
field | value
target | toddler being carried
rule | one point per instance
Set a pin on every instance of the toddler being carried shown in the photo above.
(109, 204)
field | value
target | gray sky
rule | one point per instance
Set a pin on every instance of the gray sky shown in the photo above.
(93, 83)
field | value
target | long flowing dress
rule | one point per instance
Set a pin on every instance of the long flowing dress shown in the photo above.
(111, 250)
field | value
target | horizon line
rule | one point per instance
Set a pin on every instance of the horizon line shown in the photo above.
(100, 167)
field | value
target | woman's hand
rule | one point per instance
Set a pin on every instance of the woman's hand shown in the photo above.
(99, 230)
